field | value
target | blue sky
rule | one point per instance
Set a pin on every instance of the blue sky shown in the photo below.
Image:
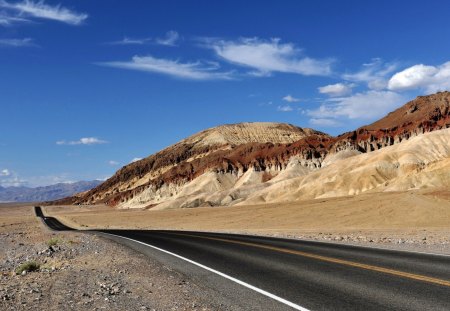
(88, 86)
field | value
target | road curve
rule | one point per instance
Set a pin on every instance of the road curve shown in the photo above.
(309, 275)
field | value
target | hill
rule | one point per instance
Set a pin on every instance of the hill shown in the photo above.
(262, 162)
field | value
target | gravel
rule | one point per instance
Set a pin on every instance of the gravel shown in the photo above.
(87, 272)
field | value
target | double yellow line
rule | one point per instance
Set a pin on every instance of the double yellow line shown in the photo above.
(407, 275)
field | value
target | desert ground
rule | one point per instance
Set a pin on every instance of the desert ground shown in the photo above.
(80, 271)
(75, 270)
(411, 220)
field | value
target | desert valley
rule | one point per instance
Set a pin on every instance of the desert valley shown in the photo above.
(384, 185)
(224, 156)
(386, 182)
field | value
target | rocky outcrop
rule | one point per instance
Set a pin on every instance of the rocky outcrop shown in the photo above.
(422, 115)
(267, 148)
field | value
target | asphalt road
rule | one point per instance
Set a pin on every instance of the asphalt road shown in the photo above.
(308, 275)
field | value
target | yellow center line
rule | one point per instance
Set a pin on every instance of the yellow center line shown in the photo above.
(412, 276)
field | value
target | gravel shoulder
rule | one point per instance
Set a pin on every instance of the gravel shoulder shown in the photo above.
(82, 271)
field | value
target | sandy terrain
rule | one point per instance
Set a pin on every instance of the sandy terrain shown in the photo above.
(414, 220)
(78, 273)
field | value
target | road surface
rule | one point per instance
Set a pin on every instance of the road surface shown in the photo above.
(303, 275)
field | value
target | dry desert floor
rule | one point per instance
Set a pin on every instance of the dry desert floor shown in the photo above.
(76, 272)
(411, 220)
(81, 271)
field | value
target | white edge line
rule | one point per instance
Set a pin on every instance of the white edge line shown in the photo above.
(256, 289)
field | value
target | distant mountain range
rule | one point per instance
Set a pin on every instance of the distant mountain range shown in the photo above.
(47, 193)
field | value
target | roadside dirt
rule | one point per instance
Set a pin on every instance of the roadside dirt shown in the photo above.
(81, 271)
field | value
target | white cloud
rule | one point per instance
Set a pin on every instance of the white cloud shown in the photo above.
(290, 99)
(366, 105)
(9, 20)
(338, 89)
(265, 104)
(267, 56)
(131, 41)
(83, 141)
(325, 122)
(113, 163)
(285, 108)
(135, 160)
(14, 181)
(45, 180)
(40, 9)
(374, 74)
(5, 172)
(17, 42)
(10, 179)
(193, 70)
(430, 78)
(170, 39)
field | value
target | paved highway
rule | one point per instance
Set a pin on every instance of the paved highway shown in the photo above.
(305, 275)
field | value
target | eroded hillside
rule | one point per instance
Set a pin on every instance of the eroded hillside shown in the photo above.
(259, 162)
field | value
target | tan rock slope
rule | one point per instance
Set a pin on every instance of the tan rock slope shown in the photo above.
(253, 163)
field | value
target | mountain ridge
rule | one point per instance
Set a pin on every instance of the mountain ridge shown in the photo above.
(258, 152)
(45, 193)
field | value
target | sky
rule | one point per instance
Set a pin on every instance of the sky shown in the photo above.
(87, 86)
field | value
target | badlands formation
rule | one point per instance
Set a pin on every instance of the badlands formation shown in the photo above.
(254, 163)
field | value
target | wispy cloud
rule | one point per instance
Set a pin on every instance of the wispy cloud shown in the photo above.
(39, 9)
(135, 160)
(131, 41)
(170, 39)
(338, 89)
(9, 20)
(5, 172)
(268, 56)
(374, 74)
(285, 108)
(83, 141)
(17, 42)
(430, 78)
(265, 104)
(9, 178)
(325, 122)
(362, 106)
(113, 163)
(290, 99)
(191, 70)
